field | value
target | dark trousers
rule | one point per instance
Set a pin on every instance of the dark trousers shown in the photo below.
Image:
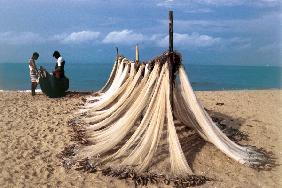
(33, 87)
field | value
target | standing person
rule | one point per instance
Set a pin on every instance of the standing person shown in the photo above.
(33, 72)
(60, 64)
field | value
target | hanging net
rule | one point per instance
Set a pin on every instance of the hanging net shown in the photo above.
(120, 128)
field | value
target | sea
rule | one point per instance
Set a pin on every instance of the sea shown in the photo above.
(91, 77)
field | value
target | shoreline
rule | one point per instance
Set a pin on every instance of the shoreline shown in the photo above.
(34, 131)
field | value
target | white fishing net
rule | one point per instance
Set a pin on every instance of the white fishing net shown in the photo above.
(125, 123)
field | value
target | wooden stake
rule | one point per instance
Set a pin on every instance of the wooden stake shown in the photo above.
(117, 55)
(170, 25)
(171, 60)
(117, 51)
(137, 54)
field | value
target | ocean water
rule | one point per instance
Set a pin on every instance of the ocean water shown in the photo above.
(91, 77)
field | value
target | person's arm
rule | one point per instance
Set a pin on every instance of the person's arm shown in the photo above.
(35, 67)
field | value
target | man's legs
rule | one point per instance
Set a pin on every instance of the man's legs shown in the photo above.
(33, 87)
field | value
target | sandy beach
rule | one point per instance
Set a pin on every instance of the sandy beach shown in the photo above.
(34, 130)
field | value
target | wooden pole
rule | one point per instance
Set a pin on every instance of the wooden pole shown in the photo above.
(117, 56)
(117, 51)
(137, 54)
(170, 25)
(171, 60)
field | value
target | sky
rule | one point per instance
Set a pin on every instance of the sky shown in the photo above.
(225, 32)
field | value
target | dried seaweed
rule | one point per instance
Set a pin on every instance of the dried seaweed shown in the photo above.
(266, 162)
(67, 154)
(233, 134)
(141, 179)
(173, 57)
(78, 131)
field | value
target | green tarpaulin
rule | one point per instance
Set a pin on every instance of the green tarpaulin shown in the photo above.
(53, 87)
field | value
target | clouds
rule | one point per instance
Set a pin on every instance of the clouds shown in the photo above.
(225, 27)
(81, 37)
(30, 38)
(206, 7)
(257, 28)
(217, 3)
(124, 37)
(129, 37)
(22, 38)
(194, 40)
(270, 47)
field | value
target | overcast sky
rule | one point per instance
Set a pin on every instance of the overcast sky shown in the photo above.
(231, 32)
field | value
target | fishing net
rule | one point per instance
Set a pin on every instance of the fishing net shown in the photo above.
(135, 111)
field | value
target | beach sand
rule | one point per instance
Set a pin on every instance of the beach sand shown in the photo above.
(34, 130)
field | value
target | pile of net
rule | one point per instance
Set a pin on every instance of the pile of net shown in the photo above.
(119, 128)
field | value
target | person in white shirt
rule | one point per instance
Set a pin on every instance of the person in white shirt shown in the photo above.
(33, 72)
(60, 64)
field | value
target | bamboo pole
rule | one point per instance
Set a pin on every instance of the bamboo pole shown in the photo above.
(117, 51)
(117, 56)
(170, 25)
(170, 53)
(136, 54)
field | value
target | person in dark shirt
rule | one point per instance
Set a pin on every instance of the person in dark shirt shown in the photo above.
(60, 64)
